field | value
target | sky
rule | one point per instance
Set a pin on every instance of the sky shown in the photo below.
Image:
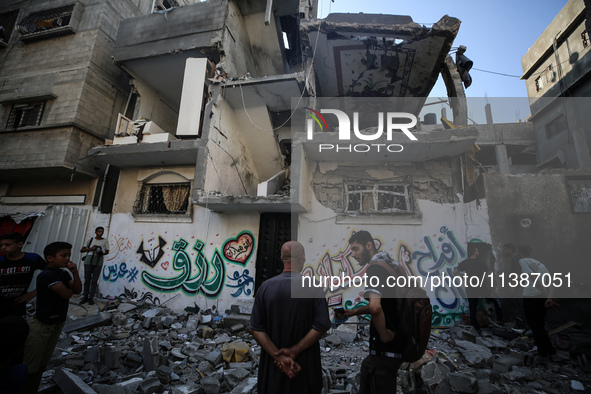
(496, 33)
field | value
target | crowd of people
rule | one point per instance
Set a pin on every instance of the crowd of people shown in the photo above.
(287, 327)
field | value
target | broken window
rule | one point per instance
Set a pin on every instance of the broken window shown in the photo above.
(579, 189)
(55, 20)
(545, 78)
(162, 5)
(163, 198)
(7, 21)
(25, 114)
(556, 126)
(585, 38)
(377, 198)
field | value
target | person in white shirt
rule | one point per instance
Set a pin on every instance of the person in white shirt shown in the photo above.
(96, 248)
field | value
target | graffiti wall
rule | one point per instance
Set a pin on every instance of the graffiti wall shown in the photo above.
(182, 264)
(434, 247)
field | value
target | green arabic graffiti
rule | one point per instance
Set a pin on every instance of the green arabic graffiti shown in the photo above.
(202, 281)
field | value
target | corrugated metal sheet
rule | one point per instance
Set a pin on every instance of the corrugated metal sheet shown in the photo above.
(60, 223)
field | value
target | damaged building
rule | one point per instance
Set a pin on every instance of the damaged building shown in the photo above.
(191, 131)
(214, 174)
(187, 130)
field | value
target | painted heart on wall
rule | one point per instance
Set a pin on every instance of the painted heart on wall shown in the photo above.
(238, 250)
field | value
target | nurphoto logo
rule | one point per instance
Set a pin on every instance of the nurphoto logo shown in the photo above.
(390, 119)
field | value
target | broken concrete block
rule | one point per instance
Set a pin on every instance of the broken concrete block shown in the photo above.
(408, 382)
(210, 384)
(505, 363)
(87, 322)
(150, 354)
(476, 355)
(221, 339)
(204, 366)
(233, 377)
(518, 374)
(152, 312)
(151, 386)
(347, 332)
(112, 359)
(237, 327)
(434, 375)
(192, 323)
(468, 335)
(164, 374)
(214, 357)
(132, 383)
(178, 353)
(333, 340)
(71, 383)
(234, 319)
(92, 355)
(461, 382)
(245, 387)
(132, 360)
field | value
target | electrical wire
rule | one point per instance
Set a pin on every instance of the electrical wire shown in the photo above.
(496, 73)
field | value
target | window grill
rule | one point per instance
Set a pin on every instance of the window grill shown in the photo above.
(556, 126)
(46, 20)
(27, 114)
(579, 189)
(377, 198)
(164, 198)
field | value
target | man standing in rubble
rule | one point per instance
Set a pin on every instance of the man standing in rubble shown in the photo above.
(380, 368)
(288, 330)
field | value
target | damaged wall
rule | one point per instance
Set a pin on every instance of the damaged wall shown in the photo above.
(150, 105)
(230, 169)
(430, 180)
(431, 240)
(433, 245)
(536, 209)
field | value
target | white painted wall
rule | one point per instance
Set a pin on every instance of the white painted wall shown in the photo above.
(436, 245)
(125, 272)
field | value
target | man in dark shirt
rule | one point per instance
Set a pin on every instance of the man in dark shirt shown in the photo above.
(288, 330)
(55, 286)
(476, 266)
(379, 369)
(16, 273)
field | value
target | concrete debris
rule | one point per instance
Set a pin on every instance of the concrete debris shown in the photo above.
(132, 347)
(71, 383)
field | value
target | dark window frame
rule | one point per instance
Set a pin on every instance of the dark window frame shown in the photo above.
(151, 199)
(26, 114)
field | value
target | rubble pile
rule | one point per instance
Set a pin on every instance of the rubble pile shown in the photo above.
(124, 347)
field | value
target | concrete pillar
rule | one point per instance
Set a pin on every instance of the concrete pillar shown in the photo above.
(502, 158)
(192, 97)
